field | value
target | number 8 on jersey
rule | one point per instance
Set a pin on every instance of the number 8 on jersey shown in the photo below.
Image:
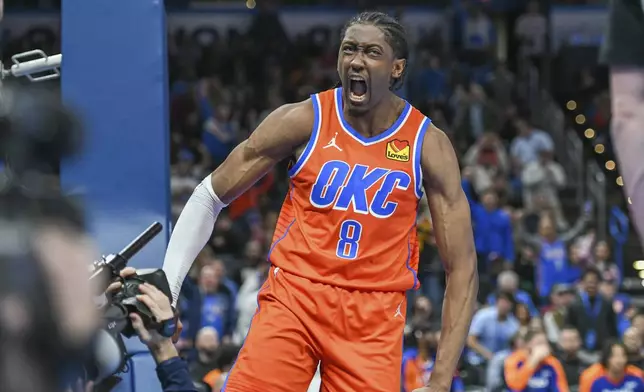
(349, 242)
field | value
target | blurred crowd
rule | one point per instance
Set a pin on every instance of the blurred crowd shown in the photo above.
(549, 286)
(44, 4)
(536, 262)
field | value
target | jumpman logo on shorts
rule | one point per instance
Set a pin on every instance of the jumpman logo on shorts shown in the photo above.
(399, 311)
(332, 143)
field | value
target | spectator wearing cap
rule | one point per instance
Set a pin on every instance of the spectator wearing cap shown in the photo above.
(592, 314)
(491, 330)
(554, 318)
(508, 281)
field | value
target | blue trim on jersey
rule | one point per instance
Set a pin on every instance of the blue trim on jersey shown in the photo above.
(261, 290)
(409, 252)
(279, 239)
(312, 140)
(418, 149)
(376, 138)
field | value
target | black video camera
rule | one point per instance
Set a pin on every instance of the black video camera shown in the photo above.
(118, 306)
(108, 269)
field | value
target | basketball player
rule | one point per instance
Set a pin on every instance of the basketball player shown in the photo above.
(345, 248)
(624, 52)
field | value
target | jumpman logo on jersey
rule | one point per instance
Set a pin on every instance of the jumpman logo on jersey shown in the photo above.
(332, 143)
(399, 311)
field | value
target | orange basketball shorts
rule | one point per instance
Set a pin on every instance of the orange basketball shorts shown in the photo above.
(356, 335)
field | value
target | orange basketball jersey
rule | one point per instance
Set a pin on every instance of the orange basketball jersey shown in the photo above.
(349, 219)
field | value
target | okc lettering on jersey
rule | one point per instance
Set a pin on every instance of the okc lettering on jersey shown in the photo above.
(340, 185)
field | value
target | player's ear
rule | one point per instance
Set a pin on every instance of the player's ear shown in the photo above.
(398, 68)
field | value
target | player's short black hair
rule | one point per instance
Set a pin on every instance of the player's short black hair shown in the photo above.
(394, 33)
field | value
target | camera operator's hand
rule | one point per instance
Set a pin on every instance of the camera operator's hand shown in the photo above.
(160, 307)
(161, 347)
(116, 286)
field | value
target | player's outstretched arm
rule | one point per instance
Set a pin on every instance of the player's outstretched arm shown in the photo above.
(450, 213)
(277, 137)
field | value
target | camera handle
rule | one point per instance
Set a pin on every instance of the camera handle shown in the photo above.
(109, 267)
(40, 62)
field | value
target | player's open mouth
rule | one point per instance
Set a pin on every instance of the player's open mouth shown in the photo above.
(357, 89)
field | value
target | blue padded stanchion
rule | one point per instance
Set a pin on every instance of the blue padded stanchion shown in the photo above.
(115, 75)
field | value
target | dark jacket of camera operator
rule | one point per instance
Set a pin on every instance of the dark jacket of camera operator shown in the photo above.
(173, 372)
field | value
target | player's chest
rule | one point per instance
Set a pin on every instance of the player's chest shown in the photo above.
(365, 186)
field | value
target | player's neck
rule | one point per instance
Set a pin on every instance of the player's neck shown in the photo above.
(378, 119)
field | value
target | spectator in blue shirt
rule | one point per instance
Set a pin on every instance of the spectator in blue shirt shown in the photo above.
(219, 134)
(432, 79)
(508, 281)
(492, 330)
(553, 266)
(209, 303)
(492, 228)
(529, 142)
(493, 237)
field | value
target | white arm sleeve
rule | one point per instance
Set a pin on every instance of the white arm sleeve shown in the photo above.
(191, 234)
